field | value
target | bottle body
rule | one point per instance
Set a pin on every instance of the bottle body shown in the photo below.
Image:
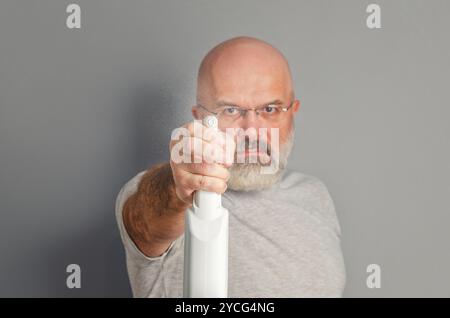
(206, 243)
(206, 254)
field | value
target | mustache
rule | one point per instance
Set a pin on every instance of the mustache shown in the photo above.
(248, 143)
(261, 147)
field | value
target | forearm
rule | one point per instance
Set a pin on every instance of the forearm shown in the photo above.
(154, 215)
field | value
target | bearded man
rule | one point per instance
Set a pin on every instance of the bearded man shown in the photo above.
(284, 235)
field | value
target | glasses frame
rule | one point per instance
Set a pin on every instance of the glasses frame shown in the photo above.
(243, 111)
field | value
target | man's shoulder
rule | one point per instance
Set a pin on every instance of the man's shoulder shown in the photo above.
(311, 193)
(294, 179)
(306, 189)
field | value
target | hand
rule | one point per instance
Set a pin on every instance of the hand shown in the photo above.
(199, 161)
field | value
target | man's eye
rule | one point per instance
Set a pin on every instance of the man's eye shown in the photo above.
(270, 109)
(230, 111)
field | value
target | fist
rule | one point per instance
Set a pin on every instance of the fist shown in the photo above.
(200, 157)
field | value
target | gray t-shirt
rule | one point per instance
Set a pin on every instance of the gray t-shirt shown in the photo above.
(283, 242)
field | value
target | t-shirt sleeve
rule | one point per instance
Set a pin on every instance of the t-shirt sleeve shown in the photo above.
(146, 273)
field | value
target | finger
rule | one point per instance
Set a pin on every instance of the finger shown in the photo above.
(211, 170)
(203, 151)
(207, 183)
(197, 129)
(194, 150)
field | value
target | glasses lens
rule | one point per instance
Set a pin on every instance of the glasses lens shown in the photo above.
(269, 112)
(228, 114)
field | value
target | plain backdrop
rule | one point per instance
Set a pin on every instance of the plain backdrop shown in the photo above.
(82, 111)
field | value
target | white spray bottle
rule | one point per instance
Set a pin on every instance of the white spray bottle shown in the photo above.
(206, 243)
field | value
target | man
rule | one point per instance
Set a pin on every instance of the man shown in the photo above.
(284, 236)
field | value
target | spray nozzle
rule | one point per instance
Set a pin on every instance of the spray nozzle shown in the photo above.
(211, 121)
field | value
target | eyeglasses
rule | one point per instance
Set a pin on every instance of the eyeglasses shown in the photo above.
(269, 112)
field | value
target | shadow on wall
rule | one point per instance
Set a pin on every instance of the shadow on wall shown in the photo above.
(98, 247)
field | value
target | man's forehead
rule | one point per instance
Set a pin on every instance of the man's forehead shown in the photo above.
(252, 89)
(248, 66)
(247, 71)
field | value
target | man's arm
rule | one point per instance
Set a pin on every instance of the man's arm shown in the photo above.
(154, 215)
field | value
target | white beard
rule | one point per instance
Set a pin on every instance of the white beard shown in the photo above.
(248, 176)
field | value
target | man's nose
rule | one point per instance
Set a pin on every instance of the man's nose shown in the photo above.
(250, 120)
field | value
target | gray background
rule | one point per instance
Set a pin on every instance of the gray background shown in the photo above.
(82, 111)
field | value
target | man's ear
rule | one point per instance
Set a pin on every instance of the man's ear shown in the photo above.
(194, 111)
(296, 106)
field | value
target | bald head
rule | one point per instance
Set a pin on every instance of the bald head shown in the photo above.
(249, 73)
(245, 71)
